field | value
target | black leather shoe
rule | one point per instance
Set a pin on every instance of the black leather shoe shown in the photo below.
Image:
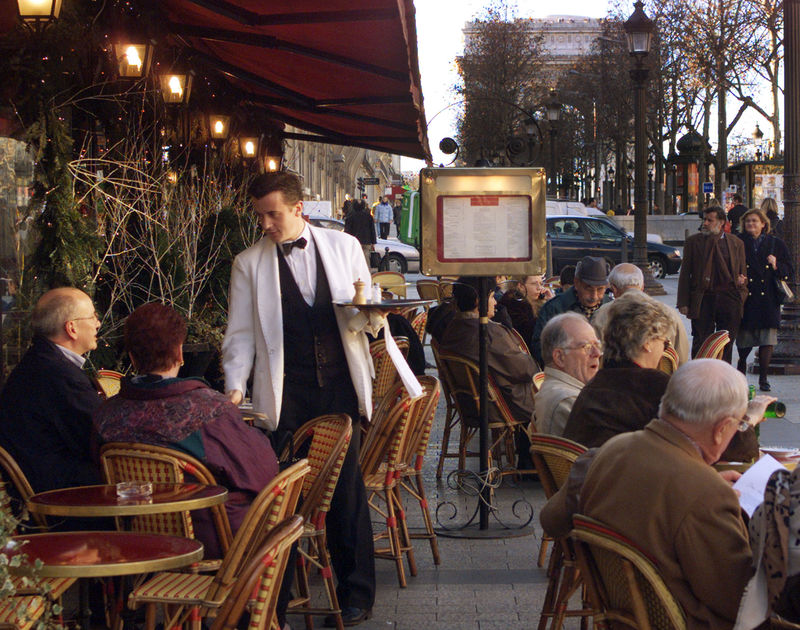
(764, 386)
(351, 616)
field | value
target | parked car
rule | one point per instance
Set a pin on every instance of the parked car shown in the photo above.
(572, 237)
(399, 257)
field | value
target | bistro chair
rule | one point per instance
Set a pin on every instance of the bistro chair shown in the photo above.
(714, 345)
(669, 360)
(393, 281)
(463, 375)
(538, 379)
(624, 585)
(415, 447)
(452, 419)
(418, 323)
(428, 289)
(553, 457)
(133, 461)
(381, 459)
(13, 474)
(385, 372)
(259, 585)
(446, 287)
(109, 381)
(328, 438)
(194, 596)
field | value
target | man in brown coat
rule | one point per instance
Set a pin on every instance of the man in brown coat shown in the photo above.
(712, 285)
(657, 488)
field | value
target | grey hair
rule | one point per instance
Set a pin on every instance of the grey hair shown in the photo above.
(631, 323)
(703, 391)
(53, 310)
(554, 334)
(626, 276)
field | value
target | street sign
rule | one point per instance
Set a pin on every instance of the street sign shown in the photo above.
(708, 188)
(371, 181)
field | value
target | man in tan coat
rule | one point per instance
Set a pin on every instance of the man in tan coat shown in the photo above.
(657, 487)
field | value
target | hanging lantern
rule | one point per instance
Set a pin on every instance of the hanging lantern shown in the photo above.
(175, 87)
(133, 59)
(249, 147)
(219, 126)
(38, 13)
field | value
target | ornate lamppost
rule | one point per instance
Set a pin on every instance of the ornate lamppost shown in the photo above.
(639, 32)
(758, 137)
(553, 111)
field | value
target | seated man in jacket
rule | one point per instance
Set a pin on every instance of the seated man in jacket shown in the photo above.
(510, 366)
(572, 354)
(657, 487)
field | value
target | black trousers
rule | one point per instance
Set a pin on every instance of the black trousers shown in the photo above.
(384, 229)
(718, 311)
(349, 527)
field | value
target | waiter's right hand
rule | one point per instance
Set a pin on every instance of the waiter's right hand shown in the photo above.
(235, 396)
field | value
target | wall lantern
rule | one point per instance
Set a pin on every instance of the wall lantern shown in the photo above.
(175, 87)
(249, 147)
(271, 163)
(219, 126)
(38, 13)
(133, 59)
(639, 31)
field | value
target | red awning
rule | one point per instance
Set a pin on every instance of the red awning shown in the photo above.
(344, 70)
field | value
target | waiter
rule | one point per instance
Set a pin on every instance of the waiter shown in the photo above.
(311, 357)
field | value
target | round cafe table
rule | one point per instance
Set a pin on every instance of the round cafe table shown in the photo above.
(102, 500)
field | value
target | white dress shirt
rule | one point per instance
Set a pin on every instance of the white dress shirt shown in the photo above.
(303, 265)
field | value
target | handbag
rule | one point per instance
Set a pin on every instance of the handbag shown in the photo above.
(782, 290)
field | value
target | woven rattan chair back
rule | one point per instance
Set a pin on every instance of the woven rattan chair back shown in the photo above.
(109, 381)
(385, 371)
(386, 437)
(330, 438)
(272, 505)
(452, 418)
(538, 379)
(669, 360)
(714, 345)
(428, 289)
(418, 324)
(393, 281)
(624, 585)
(463, 375)
(419, 424)
(261, 579)
(22, 490)
(553, 457)
(133, 461)
(446, 287)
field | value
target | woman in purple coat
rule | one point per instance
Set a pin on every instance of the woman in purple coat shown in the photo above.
(156, 407)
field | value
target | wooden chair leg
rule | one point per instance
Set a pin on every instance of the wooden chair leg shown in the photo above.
(402, 530)
(448, 425)
(430, 534)
(394, 539)
(324, 558)
(553, 583)
(546, 540)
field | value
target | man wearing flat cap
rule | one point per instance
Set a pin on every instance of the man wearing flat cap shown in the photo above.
(584, 297)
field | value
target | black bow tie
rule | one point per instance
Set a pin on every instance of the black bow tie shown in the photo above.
(300, 243)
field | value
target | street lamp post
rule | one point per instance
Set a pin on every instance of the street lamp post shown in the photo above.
(553, 112)
(639, 32)
(613, 193)
(650, 166)
(758, 137)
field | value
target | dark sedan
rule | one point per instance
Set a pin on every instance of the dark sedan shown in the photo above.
(573, 237)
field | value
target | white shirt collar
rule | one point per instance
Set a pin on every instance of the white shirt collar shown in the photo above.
(74, 357)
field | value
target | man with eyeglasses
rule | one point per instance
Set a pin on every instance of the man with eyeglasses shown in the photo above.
(657, 487)
(572, 356)
(48, 400)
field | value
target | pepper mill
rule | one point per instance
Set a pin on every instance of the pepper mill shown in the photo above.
(359, 297)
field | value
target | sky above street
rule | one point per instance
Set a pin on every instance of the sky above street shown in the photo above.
(440, 40)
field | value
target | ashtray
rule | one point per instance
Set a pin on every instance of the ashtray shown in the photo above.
(134, 489)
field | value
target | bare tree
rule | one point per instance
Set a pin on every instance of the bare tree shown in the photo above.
(500, 69)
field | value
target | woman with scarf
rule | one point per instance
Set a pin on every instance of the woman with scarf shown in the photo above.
(156, 407)
(767, 261)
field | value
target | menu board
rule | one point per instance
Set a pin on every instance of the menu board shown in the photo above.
(476, 228)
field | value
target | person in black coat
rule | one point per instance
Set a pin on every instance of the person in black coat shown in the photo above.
(359, 224)
(48, 400)
(767, 260)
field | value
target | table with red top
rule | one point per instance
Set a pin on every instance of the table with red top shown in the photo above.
(102, 500)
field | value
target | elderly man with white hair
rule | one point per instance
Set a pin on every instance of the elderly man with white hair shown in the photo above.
(657, 487)
(627, 281)
(571, 353)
